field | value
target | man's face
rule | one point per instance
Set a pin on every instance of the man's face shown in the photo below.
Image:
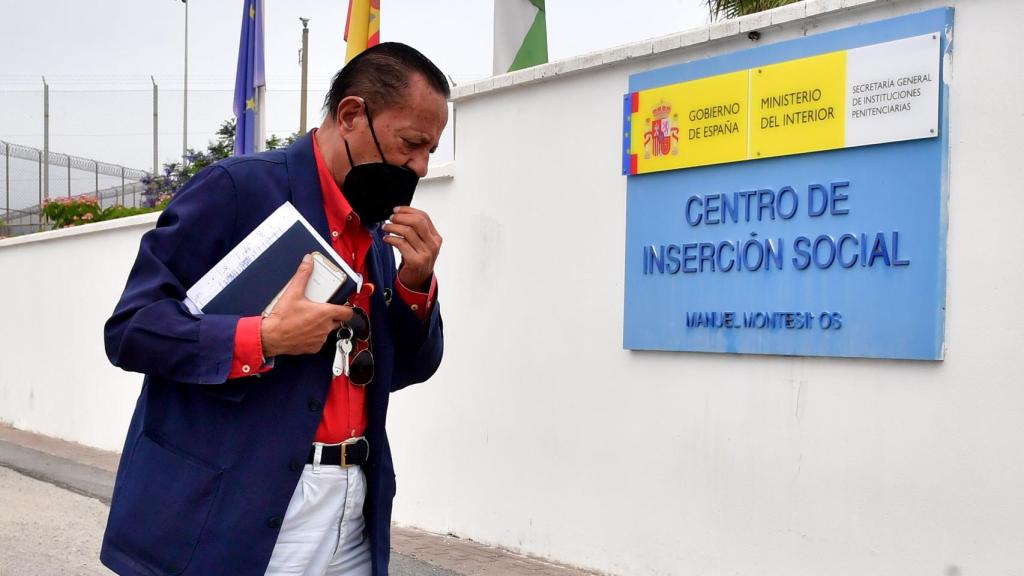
(407, 132)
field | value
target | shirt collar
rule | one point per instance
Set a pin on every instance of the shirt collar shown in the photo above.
(334, 200)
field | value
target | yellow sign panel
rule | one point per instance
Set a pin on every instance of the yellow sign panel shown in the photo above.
(692, 123)
(869, 95)
(798, 106)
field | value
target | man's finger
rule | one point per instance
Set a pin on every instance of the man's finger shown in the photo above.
(338, 313)
(404, 248)
(408, 210)
(413, 217)
(409, 233)
(297, 285)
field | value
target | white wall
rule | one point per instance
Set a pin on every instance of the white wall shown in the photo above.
(57, 290)
(541, 434)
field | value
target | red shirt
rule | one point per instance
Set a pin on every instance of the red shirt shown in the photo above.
(344, 414)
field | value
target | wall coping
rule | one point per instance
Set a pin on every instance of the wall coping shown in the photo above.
(117, 224)
(657, 46)
(444, 171)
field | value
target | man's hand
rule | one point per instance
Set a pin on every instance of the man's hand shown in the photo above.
(412, 232)
(297, 325)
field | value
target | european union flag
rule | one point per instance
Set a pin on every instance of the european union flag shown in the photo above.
(249, 77)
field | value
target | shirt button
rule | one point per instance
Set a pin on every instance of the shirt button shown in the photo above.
(295, 465)
(349, 218)
(414, 307)
(315, 405)
(246, 368)
(334, 233)
(274, 522)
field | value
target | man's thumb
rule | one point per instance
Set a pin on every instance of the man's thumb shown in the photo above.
(301, 277)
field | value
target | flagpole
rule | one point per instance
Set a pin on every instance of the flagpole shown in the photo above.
(184, 120)
(261, 91)
(305, 70)
(261, 139)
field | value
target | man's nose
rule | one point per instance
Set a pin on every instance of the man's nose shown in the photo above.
(418, 163)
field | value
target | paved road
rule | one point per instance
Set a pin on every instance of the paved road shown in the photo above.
(53, 511)
(54, 498)
(46, 530)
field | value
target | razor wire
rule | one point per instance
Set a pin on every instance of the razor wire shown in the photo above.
(30, 177)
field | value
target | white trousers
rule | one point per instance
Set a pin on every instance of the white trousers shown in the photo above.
(322, 531)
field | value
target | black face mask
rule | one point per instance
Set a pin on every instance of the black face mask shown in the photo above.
(374, 189)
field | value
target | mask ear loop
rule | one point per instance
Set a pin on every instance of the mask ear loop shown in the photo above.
(348, 152)
(369, 121)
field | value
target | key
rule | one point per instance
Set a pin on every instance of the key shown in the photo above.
(341, 356)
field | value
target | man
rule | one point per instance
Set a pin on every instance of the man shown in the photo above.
(246, 455)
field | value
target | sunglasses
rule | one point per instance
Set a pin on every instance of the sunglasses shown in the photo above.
(360, 366)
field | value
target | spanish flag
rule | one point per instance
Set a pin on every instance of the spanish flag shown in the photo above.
(362, 28)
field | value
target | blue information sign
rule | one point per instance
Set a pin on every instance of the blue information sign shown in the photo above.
(839, 252)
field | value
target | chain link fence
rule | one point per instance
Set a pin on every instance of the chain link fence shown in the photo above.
(127, 124)
(29, 178)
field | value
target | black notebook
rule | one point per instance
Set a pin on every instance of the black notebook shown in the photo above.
(246, 280)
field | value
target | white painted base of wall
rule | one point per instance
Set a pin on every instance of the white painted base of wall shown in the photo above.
(58, 289)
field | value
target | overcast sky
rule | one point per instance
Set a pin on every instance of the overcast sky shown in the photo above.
(98, 56)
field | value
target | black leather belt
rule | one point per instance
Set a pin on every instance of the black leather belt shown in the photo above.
(348, 454)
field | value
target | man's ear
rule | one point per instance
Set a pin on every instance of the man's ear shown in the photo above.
(350, 109)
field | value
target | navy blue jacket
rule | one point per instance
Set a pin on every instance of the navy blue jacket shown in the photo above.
(209, 464)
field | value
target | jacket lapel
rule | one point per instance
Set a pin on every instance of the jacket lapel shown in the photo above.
(305, 184)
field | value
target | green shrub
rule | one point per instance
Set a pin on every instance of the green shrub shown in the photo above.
(67, 212)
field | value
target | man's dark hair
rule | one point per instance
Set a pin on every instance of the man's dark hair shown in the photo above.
(381, 75)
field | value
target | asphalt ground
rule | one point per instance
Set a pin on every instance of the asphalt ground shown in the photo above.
(55, 496)
(53, 511)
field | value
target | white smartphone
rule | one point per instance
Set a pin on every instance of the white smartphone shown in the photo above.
(325, 280)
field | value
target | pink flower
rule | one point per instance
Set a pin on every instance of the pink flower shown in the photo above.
(87, 216)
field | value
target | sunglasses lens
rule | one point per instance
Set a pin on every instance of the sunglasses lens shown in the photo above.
(359, 324)
(360, 370)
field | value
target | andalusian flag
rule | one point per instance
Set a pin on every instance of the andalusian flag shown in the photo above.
(520, 35)
(362, 28)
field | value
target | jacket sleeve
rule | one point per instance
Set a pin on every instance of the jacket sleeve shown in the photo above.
(151, 331)
(419, 344)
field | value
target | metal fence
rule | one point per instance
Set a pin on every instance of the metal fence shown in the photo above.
(29, 178)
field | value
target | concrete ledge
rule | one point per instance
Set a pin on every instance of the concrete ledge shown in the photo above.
(129, 222)
(78, 478)
(444, 171)
(757, 21)
(656, 46)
